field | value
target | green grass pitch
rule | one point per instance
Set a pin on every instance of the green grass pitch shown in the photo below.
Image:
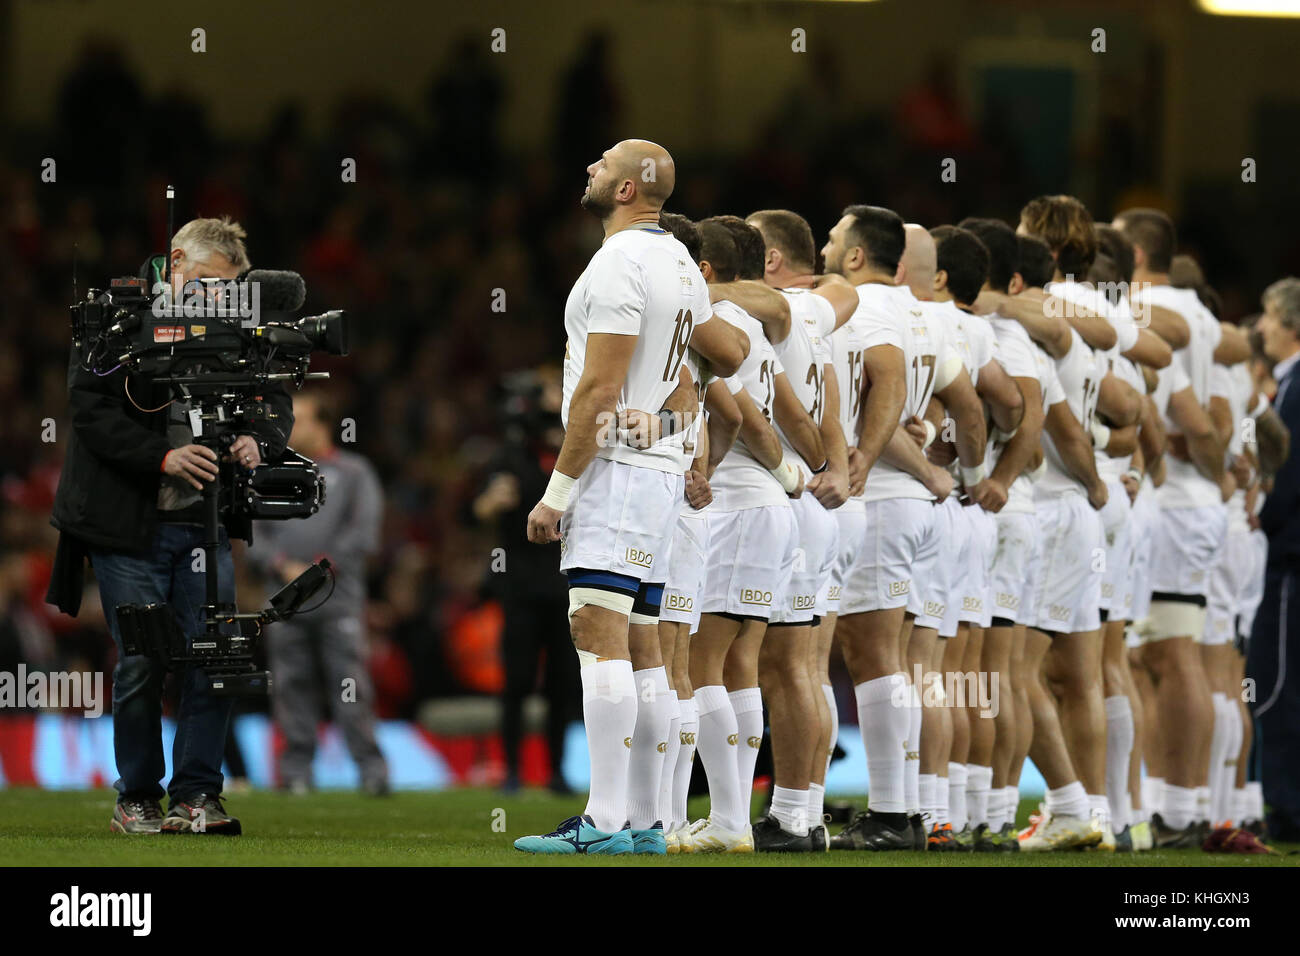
(458, 827)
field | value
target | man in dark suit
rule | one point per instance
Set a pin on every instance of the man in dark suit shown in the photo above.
(1273, 660)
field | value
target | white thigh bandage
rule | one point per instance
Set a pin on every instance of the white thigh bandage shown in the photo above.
(1174, 619)
(581, 597)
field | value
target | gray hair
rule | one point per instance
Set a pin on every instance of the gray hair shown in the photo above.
(200, 238)
(1283, 297)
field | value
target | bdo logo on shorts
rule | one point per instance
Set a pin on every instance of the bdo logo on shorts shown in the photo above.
(833, 593)
(642, 559)
(1008, 601)
(897, 588)
(972, 604)
(935, 608)
(679, 602)
(1059, 612)
(755, 596)
(804, 602)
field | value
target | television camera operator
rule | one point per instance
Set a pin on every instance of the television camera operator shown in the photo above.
(129, 501)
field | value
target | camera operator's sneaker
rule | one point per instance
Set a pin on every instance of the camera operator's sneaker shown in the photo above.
(137, 816)
(201, 814)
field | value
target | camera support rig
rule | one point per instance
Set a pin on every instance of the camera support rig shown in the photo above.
(289, 488)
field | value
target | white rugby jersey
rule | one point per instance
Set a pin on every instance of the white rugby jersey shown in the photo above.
(927, 350)
(1020, 357)
(872, 323)
(1184, 486)
(1234, 383)
(740, 481)
(804, 354)
(1080, 372)
(641, 282)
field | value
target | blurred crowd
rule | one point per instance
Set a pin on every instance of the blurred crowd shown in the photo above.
(441, 223)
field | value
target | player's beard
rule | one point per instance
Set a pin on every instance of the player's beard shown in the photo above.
(835, 265)
(600, 206)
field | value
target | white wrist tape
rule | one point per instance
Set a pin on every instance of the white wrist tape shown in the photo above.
(1135, 474)
(1100, 434)
(998, 437)
(970, 477)
(557, 491)
(930, 432)
(1261, 408)
(788, 475)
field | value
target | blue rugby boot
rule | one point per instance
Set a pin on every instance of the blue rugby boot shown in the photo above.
(578, 835)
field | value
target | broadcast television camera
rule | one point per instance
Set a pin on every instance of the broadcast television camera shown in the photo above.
(218, 345)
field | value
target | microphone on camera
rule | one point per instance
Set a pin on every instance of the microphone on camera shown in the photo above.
(279, 289)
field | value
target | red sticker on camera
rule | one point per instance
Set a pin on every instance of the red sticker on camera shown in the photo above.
(169, 333)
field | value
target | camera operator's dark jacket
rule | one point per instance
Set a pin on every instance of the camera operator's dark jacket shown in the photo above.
(108, 490)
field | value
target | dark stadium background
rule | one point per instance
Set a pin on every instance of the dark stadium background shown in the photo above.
(470, 165)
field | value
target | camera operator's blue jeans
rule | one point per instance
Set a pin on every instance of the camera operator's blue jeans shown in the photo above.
(165, 575)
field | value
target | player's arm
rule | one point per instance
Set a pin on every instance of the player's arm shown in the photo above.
(1119, 441)
(1233, 347)
(1150, 349)
(725, 421)
(905, 454)
(964, 406)
(884, 390)
(1169, 325)
(724, 345)
(1199, 436)
(1273, 439)
(831, 487)
(839, 292)
(1075, 450)
(1000, 391)
(1151, 435)
(1018, 453)
(760, 300)
(1093, 328)
(1029, 308)
(1118, 401)
(798, 426)
(1220, 413)
(591, 417)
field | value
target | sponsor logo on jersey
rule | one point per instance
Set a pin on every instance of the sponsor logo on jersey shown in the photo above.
(755, 596)
(642, 559)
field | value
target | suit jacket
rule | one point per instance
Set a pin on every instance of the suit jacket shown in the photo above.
(1280, 517)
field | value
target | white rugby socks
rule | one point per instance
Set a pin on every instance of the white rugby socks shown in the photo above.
(957, 795)
(884, 727)
(748, 706)
(668, 774)
(790, 807)
(1068, 801)
(689, 730)
(1119, 748)
(609, 712)
(649, 745)
(912, 746)
(716, 744)
(979, 780)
